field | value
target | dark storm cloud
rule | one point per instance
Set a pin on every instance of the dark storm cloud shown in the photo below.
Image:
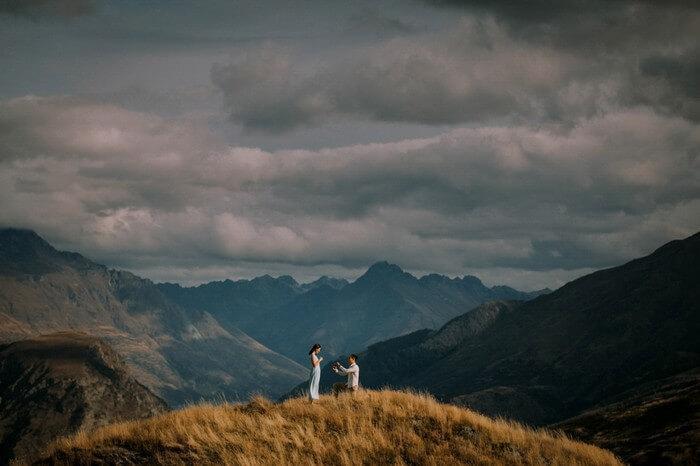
(539, 62)
(682, 72)
(673, 83)
(48, 8)
(536, 10)
(553, 10)
(591, 26)
(474, 72)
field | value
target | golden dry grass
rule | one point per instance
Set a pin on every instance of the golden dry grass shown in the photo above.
(371, 427)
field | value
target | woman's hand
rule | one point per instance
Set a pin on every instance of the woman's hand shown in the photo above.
(320, 359)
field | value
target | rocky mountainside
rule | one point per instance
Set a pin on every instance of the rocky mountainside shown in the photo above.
(55, 385)
(382, 303)
(178, 353)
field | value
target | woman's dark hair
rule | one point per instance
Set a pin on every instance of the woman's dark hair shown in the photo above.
(314, 348)
(354, 356)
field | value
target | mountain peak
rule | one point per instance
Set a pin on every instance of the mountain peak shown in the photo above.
(24, 252)
(325, 280)
(21, 245)
(382, 272)
(269, 280)
(472, 280)
(288, 280)
(20, 239)
(385, 268)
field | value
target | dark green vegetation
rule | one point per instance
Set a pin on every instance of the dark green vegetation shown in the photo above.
(575, 349)
(57, 384)
(382, 303)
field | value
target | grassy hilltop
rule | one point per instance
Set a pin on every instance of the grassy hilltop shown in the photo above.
(374, 427)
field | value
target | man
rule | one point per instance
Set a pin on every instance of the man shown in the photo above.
(353, 373)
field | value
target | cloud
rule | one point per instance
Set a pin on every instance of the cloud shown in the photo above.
(144, 192)
(475, 73)
(48, 8)
(672, 83)
(480, 71)
(567, 19)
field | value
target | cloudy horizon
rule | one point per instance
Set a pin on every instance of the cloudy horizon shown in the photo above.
(193, 142)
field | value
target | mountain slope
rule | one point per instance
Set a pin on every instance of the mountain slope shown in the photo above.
(244, 304)
(594, 337)
(370, 428)
(180, 354)
(573, 348)
(382, 303)
(655, 424)
(57, 384)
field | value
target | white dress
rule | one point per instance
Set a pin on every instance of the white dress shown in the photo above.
(314, 378)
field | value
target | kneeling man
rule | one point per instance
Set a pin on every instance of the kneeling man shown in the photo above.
(353, 373)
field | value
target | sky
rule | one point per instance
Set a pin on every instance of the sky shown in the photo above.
(526, 143)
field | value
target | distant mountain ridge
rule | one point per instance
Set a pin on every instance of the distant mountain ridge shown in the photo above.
(180, 354)
(345, 317)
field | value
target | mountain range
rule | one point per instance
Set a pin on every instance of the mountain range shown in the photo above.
(566, 353)
(226, 338)
(344, 317)
(180, 354)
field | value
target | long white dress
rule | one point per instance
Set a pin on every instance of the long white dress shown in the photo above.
(314, 378)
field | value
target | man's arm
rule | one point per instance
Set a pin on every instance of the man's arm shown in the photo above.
(349, 370)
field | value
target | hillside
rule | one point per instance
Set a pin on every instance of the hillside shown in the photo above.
(57, 384)
(384, 302)
(655, 424)
(180, 354)
(588, 341)
(371, 428)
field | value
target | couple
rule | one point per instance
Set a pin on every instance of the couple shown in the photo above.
(352, 371)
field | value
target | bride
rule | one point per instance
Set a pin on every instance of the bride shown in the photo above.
(315, 375)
